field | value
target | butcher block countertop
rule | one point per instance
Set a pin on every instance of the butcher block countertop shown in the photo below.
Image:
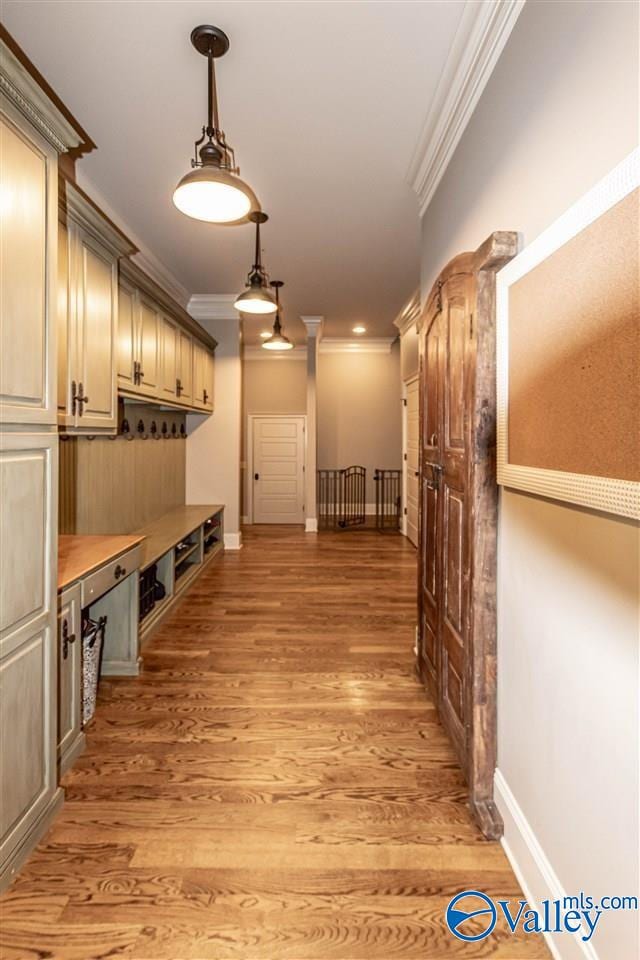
(79, 555)
(161, 535)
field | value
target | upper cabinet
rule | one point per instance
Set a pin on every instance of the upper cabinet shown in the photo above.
(163, 355)
(88, 251)
(28, 255)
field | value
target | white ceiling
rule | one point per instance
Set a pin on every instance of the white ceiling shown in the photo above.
(324, 103)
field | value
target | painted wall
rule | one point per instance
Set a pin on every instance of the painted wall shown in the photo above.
(560, 110)
(359, 412)
(409, 354)
(213, 443)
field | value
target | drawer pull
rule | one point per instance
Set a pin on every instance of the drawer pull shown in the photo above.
(67, 638)
(119, 572)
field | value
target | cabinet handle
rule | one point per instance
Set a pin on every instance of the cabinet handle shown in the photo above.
(73, 398)
(81, 399)
(205, 396)
(119, 572)
(67, 638)
(178, 386)
(433, 440)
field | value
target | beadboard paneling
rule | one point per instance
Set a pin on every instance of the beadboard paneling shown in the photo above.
(115, 485)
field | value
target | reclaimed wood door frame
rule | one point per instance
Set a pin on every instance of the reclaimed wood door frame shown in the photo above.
(468, 283)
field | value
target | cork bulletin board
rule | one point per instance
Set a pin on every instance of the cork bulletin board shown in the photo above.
(568, 312)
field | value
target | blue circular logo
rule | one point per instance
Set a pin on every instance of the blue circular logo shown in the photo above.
(469, 912)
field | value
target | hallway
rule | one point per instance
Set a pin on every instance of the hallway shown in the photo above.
(275, 784)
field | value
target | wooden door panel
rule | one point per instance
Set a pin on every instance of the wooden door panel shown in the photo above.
(454, 396)
(69, 670)
(96, 309)
(127, 353)
(168, 359)
(185, 367)
(149, 349)
(28, 255)
(413, 461)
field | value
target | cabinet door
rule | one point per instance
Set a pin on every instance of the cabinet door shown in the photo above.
(168, 359)
(67, 344)
(69, 674)
(28, 253)
(185, 367)
(95, 272)
(149, 349)
(208, 384)
(198, 375)
(28, 521)
(128, 338)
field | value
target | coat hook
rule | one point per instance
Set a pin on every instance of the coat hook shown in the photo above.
(154, 430)
(141, 431)
(164, 430)
(126, 430)
(183, 432)
(174, 432)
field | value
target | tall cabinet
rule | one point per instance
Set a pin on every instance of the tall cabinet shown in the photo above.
(33, 131)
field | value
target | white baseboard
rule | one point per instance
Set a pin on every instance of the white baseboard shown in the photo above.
(233, 541)
(311, 525)
(533, 869)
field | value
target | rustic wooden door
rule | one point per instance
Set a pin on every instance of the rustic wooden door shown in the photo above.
(456, 588)
(448, 373)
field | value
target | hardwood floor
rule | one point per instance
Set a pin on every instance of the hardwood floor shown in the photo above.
(274, 785)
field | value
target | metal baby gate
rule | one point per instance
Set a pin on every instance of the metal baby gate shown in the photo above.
(341, 498)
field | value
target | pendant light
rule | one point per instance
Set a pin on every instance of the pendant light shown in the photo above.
(257, 298)
(277, 340)
(213, 191)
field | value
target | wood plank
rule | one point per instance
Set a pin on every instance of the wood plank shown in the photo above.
(274, 785)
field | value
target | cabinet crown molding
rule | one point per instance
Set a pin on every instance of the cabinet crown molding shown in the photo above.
(132, 272)
(213, 306)
(25, 91)
(481, 36)
(76, 205)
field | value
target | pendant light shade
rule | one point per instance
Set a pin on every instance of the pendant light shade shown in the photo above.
(213, 190)
(256, 297)
(277, 340)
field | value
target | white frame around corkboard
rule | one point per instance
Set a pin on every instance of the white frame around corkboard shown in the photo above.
(601, 492)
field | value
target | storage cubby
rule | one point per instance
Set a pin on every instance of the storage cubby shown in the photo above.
(176, 549)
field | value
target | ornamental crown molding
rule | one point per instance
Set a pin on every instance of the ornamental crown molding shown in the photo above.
(408, 316)
(75, 204)
(480, 38)
(259, 353)
(143, 258)
(23, 91)
(213, 306)
(361, 345)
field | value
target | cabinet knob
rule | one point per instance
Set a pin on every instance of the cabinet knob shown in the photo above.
(119, 572)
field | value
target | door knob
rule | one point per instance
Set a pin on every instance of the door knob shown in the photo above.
(256, 476)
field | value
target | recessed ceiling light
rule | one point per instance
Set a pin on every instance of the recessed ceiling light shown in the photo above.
(359, 329)
(265, 334)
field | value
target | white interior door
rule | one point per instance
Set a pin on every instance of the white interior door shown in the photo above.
(278, 470)
(412, 440)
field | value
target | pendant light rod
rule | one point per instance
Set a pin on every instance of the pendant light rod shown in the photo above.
(213, 190)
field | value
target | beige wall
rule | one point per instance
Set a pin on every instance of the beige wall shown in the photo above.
(359, 412)
(213, 443)
(559, 112)
(409, 354)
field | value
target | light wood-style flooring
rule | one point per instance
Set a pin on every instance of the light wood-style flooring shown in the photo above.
(274, 785)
